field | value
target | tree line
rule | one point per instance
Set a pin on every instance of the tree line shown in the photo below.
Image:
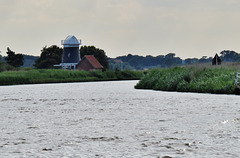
(170, 60)
(52, 55)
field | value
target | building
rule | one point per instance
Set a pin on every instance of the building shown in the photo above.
(88, 63)
(119, 64)
(216, 60)
(71, 55)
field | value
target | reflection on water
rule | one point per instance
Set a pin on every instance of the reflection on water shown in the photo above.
(112, 119)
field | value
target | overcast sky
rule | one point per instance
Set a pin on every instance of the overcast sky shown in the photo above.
(189, 28)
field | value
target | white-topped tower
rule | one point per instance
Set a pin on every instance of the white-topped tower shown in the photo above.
(71, 55)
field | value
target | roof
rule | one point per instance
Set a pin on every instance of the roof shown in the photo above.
(118, 61)
(216, 56)
(93, 61)
(71, 41)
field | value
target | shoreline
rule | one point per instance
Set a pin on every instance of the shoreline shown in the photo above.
(42, 76)
(113, 80)
(195, 79)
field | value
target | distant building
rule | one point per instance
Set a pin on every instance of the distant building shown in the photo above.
(88, 63)
(71, 55)
(119, 64)
(216, 60)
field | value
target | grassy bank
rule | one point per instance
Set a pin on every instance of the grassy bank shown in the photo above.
(198, 78)
(35, 76)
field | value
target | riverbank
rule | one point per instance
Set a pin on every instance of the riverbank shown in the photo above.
(197, 78)
(36, 76)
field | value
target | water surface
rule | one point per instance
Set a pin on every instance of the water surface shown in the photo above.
(112, 119)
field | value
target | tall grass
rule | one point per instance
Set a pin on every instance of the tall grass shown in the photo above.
(198, 78)
(33, 76)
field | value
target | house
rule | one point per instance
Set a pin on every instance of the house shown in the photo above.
(119, 64)
(216, 60)
(88, 63)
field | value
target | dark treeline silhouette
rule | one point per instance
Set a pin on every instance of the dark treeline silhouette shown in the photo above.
(162, 61)
(13, 59)
(140, 62)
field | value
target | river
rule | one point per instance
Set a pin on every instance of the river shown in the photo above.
(112, 119)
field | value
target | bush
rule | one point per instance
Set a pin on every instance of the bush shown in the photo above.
(25, 76)
(6, 67)
(200, 79)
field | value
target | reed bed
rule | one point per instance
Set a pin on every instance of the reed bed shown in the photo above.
(197, 78)
(34, 76)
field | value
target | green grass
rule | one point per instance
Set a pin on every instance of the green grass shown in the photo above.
(34, 76)
(198, 78)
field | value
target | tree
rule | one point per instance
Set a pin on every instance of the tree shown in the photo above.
(99, 54)
(170, 55)
(13, 59)
(49, 57)
(189, 61)
(171, 60)
(0, 58)
(230, 56)
(205, 59)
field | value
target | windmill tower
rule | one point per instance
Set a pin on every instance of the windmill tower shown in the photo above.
(71, 55)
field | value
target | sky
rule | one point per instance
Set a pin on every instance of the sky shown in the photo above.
(188, 28)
